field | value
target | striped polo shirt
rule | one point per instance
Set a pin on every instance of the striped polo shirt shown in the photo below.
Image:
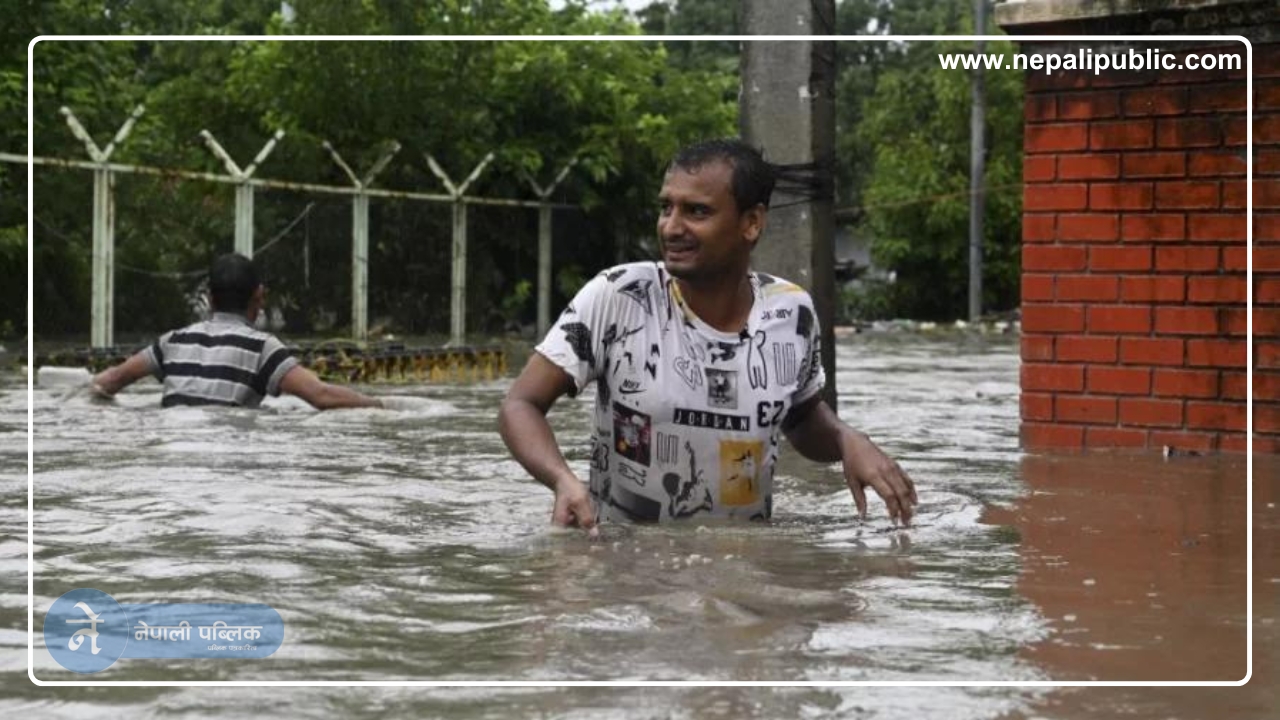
(221, 361)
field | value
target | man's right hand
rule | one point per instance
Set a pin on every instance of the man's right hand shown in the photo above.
(573, 507)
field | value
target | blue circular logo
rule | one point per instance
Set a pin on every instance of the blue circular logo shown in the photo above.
(86, 630)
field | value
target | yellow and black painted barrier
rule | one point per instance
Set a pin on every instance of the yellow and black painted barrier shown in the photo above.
(342, 361)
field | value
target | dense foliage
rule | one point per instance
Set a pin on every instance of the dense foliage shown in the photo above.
(620, 108)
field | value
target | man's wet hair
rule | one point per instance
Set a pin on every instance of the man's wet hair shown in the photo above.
(753, 177)
(233, 278)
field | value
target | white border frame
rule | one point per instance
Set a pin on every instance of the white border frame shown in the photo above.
(1215, 39)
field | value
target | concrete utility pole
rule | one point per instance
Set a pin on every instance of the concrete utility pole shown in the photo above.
(977, 168)
(244, 191)
(360, 237)
(102, 305)
(787, 108)
(458, 304)
(544, 244)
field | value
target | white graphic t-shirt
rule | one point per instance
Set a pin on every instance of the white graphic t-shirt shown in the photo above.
(687, 417)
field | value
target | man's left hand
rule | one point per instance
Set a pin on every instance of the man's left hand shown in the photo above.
(865, 464)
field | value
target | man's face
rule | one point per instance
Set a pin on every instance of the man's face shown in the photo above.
(703, 234)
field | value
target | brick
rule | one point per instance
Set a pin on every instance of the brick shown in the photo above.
(1215, 416)
(1059, 196)
(1036, 406)
(1229, 442)
(1052, 318)
(1267, 291)
(1217, 226)
(1266, 194)
(1078, 408)
(1037, 348)
(1088, 167)
(1144, 228)
(1266, 418)
(1119, 259)
(1155, 164)
(1266, 228)
(1266, 95)
(1124, 77)
(1097, 227)
(1234, 258)
(1187, 259)
(1268, 355)
(1099, 288)
(1266, 259)
(1122, 135)
(1233, 194)
(1157, 100)
(1230, 98)
(1234, 131)
(1146, 412)
(1088, 106)
(1185, 383)
(1151, 351)
(1266, 129)
(1265, 162)
(1217, 353)
(1217, 163)
(1037, 288)
(1055, 137)
(1111, 437)
(1048, 436)
(1113, 380)
(1158, 288)
(1054, 258)
(1218, 289)
(1120, 196)
(1235, 386)
(1182, 440)
(1038, 108)
(1266, 386)
(1052, 378)
(1186, 321)
(1266, 322)
(1119, 319)
(1233, 322)
(1039, 168)
(1265, 445)
(1186, 195)
(1038, 227)
(1188, 132)
(1087, 349)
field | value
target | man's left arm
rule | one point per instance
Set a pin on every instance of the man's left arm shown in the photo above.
(114, 379)
(816, 433)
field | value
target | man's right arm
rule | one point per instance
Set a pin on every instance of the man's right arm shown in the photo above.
(522, 422)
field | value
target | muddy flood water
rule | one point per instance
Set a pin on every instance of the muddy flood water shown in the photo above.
(405, 545)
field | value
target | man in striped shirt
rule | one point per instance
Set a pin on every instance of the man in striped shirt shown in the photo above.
(225, 360)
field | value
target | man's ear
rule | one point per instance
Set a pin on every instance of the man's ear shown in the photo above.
(753, 222)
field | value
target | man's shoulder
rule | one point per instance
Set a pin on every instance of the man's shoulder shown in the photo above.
(620, 276)
(778, 289)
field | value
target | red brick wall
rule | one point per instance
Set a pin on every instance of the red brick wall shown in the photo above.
(1134, 259)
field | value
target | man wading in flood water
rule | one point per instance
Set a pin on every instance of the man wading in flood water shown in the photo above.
(224, 360)
(699, 364)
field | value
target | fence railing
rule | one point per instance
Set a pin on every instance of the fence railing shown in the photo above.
(102, 311)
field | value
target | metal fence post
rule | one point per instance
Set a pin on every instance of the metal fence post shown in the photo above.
(458, 298)
(244, 190)
(360, 238)
(102, 305)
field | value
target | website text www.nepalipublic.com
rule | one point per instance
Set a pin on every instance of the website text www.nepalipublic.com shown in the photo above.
(1097, 62)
